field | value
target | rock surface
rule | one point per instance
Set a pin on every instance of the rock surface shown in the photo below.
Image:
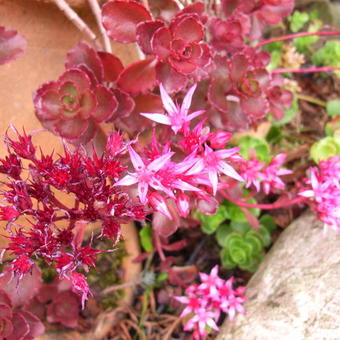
(295, 294)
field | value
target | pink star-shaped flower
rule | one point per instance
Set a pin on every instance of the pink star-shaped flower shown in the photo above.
(177, 117)
(215, 164)
(145, 175)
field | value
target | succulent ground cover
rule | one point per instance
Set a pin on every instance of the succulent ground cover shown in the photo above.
(217, 140)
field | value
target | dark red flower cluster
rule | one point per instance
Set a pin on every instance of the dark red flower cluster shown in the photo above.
(56, 228)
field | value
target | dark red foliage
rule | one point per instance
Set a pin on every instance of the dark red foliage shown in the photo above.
(120, 19)
(12, 45)
(15, 321)
(90, 181)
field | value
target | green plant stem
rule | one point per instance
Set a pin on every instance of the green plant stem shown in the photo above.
(312, 100)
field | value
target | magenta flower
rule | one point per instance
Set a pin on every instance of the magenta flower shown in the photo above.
(270, 174)
(214, 164)
(145, 175)
(323, 192)
(205, 302)
(177, 117)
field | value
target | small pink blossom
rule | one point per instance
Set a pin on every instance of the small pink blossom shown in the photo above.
(214, 164)
(177, 117)
(257, 173)
(323, 192)
(145, 174)
(205, 302)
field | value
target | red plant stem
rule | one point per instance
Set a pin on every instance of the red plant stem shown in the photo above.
(306, 70)
(97, 13)
(271, 206)
(159, 248)
(295, 35)
(76, 19)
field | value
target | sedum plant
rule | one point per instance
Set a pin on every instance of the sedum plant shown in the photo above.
(203, 74)
(242, 246)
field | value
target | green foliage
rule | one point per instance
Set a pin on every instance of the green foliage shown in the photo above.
(261, 147)
(333, 107)
(297, 20)
(325, 148)
(274, 135)
(145, 236)
(328, 55)
(210, 223)
(303, 44)
(333, 127)
(242, 246)
(235, 213)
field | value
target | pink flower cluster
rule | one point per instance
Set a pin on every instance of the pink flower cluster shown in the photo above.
(257, 173)
(183, 167)
(206, 301)
(323, 192)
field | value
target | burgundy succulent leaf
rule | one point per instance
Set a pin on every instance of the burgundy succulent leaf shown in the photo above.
(19, 324)
(112, 66)
(138, 77)
(21, 290)
(261, 12)
(84, 54)
(64, 309)
(12, 45)
(120, 18)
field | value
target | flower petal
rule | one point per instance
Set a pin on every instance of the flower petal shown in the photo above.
(136, 160)
(160, 162)
(157, 117)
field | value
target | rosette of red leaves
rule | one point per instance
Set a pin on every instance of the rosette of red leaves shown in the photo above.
(73, 105)
(243, 91)
(176, 47)
(260, 12)
(89, 179)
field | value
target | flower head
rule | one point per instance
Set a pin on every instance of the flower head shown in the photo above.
(205, 302)
(177, 117)
(323, 192)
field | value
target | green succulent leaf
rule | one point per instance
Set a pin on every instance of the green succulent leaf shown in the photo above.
(241, 227)
(298, 20)
(265, 236)
(236, 214)
(239, 255)
(253, 264)
(145, 236)
(325, 148)
(254, 239)
(222, 233)
(268, 222)
(210, 223)
(333, 107)
(247, 143)
(226, 260)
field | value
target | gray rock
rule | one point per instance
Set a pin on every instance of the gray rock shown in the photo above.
(295, 294)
